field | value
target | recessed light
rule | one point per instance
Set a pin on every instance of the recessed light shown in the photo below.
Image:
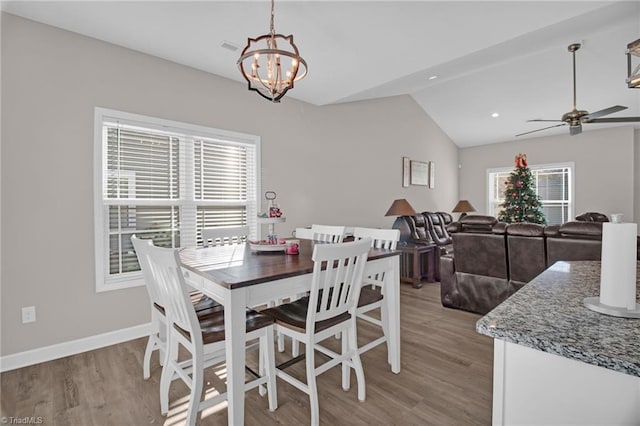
(433, 77)
(495, 115)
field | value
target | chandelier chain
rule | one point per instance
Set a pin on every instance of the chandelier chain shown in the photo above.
(273, 30)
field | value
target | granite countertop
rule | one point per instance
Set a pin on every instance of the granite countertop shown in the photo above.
(548, 314)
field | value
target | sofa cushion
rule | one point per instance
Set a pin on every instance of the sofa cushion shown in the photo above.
(480, 254)
(527, 251)
(477, 223)
(421, 230)
(526, 230)
(437, 228)
(574, 241)
(577, 229)
(446, 217)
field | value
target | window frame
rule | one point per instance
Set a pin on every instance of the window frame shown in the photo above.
(188, 132)
(534, 167)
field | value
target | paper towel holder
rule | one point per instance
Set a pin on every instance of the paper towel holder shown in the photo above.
(618, 273)
(594, 304)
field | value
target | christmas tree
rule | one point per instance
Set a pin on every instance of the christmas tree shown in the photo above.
(521, 204)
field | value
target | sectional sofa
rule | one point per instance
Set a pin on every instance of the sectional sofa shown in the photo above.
(492, 260)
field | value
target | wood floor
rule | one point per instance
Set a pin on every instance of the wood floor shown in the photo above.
(446, 379)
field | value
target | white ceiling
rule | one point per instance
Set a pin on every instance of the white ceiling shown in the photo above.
(508, 57)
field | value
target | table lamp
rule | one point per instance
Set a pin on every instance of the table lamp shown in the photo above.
(400, 208)
(463, 207)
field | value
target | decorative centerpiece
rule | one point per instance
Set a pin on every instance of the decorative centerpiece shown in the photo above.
(270, 217)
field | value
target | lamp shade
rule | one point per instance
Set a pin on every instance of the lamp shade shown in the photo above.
(463, 206)
(400, 207)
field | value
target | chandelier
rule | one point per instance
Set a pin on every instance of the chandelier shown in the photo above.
(633, 73)
(271, 64)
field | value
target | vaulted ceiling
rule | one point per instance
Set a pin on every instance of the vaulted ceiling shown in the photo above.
(505, 57)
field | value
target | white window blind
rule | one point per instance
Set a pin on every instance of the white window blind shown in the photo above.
(553, 184)
(166, 181)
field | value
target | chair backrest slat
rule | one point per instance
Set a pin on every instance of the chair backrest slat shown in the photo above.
(380, 238)
(225, 235)
(337, 276)
(328, 233)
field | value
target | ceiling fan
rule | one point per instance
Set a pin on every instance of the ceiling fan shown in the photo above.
(575, 118)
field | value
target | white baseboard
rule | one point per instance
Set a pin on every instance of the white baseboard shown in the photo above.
(60, 350)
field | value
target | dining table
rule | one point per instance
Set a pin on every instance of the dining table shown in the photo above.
(239, 277)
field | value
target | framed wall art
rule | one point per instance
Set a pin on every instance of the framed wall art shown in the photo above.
(406, 171)
(432, 174)
(419, 173)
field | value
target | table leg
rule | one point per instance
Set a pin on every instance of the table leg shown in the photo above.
(431, 264)
(392, 298)
(417, 272)
(235, 335)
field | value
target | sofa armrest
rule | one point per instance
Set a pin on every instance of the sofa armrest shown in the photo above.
(448, 288)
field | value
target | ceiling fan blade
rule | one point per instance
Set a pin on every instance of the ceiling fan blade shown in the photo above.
(541, 120)
(575, 130)
(603, 112)
(614, 120)
(538, 130)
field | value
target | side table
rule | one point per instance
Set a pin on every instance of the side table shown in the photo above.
(417, 261)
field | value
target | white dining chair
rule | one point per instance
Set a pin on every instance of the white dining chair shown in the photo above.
(303, 233)
(202, 337)
(225, 235)
(325, 233)
(157, 339)
(330, 308)
(322, 233)
(372, 292)
(328, 233)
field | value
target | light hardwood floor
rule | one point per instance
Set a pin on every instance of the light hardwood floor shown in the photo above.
(446, 379)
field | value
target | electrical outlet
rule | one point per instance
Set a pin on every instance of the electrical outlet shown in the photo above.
(28, 314)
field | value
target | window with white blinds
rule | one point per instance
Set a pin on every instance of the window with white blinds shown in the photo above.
(166, 181)
(553, 184)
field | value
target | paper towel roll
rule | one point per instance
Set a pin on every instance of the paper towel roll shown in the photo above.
(618, 273)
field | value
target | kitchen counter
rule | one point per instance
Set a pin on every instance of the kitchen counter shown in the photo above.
(558, 362)
(548, 314)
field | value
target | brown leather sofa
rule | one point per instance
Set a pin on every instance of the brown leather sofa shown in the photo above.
(427, 228)
(492, 260)
(476, 275)
(421, 234)
(527, 252)
(437, 225)
(574, 241)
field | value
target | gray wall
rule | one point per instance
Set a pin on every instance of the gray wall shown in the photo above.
(335, 165)
(606, 175)
(636, 176)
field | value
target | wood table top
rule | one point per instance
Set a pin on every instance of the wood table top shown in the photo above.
(235, 266)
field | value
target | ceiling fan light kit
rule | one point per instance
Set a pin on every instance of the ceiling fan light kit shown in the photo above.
(271, 63)
(633, 74)
(575, 118)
